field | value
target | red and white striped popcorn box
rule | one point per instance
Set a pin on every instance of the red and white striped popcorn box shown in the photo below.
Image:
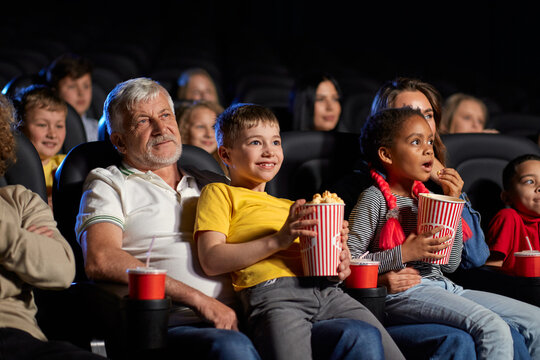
(320, 255)
(436, 210)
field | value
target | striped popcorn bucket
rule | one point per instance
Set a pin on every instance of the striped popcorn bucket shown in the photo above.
(320, 255)
(436, 210)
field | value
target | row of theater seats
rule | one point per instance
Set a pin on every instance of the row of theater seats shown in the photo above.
(314, 161)
(273, 92)
(267, 85)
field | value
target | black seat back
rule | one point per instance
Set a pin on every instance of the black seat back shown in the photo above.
(27, 170)
(313, 162)
(75, 133)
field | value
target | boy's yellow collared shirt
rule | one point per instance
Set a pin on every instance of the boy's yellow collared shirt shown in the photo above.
(50, 168)
(244, 215)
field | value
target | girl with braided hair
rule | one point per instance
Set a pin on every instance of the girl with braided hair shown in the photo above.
(398, 144)
(404, 91)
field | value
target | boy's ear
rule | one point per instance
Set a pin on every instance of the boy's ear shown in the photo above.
(384, 155)
(223, 153)
(506, 198)
(117, 140)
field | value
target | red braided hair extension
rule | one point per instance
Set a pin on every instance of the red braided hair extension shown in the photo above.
(384, 187)
(419, 188)
(392, 233)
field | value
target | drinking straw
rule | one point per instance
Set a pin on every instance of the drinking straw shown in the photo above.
(364, 255)
(149, 251)
(528, 242)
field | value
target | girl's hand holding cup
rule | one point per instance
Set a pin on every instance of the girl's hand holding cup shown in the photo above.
(418, 247)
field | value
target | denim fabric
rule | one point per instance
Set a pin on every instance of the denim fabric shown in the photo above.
(442, 342)
(433, 341)
(475, 250)
(208, 343)
(485, 316)
(345, 339)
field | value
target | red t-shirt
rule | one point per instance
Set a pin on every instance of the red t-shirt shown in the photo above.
(507, 231)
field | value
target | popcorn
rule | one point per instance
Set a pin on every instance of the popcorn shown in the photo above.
(326, 198)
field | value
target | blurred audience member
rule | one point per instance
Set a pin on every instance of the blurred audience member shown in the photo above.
(32, 253)
(71, 77)
(197, 84)
(41, 116)
(196, 123)
(315, 103)
(464, 113)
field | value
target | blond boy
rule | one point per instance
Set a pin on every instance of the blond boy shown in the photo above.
(42, 118)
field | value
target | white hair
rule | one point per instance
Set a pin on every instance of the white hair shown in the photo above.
(125, 95)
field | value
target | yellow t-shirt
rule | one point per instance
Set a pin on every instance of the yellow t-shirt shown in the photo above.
(51, 167)
(244, 215)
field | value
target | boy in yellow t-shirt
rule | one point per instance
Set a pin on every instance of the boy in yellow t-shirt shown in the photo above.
(41, 117)
(242, 230)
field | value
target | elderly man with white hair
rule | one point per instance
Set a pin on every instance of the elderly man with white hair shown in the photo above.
(149, 197)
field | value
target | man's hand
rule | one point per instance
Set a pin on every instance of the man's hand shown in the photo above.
(42, 230)
(219, 314)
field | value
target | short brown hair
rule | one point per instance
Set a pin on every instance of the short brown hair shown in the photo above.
(37, 96)
(239, 117)
(70, 65)
(184, 118)
(7, 142)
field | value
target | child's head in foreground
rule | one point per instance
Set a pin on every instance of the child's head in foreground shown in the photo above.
(398, 140)
(521, 183)
(249, 143)
(41, 116)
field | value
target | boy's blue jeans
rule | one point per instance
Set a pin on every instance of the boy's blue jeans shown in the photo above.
(486, 316)
(310, 317)
(209, 343)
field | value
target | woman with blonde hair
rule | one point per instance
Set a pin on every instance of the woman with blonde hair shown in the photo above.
(196, 124)
(463, 113)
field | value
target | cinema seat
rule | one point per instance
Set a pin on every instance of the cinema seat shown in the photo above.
(97, 310)
(27, 170)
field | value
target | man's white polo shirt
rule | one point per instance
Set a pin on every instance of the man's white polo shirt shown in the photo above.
(145, 206)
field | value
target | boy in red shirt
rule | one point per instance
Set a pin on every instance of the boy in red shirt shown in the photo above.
(514, 227)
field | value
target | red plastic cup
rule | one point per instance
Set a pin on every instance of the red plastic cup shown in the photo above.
(146, 283)
(527, 263)
(436, 210)
(363, 274)
(320, 254)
